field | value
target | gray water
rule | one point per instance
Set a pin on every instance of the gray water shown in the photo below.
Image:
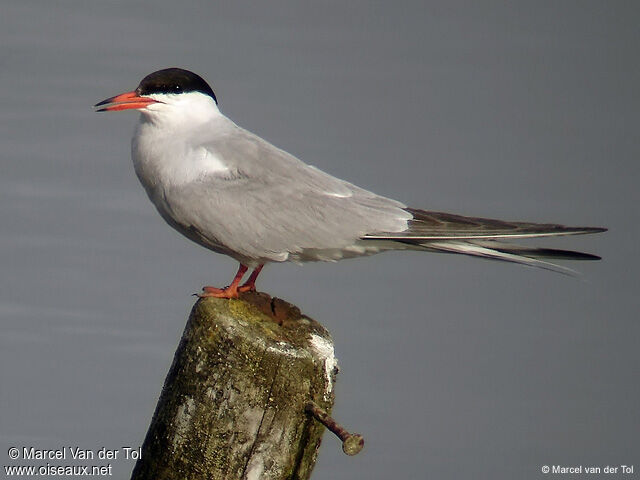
(451, 367)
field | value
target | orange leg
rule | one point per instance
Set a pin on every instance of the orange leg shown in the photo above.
(250, 284)
(227, 292)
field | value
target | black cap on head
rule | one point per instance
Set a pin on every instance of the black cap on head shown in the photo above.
(174, 80)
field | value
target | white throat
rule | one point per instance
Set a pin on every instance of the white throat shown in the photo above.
(182, 111)
(168, 147)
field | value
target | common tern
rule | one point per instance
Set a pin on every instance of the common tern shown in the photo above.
(235, 193)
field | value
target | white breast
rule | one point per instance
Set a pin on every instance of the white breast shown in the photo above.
(160, 160)
(195, 164)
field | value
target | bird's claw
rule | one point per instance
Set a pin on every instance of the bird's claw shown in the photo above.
(227, 292)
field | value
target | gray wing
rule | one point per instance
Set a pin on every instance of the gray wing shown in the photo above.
(271, 205)
(426, 225)
(485, 237)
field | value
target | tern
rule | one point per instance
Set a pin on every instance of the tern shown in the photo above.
(234, 193)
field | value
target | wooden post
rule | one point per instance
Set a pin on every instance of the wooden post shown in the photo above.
(234, 402)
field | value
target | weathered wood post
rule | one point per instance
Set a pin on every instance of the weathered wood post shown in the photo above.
(235, 401)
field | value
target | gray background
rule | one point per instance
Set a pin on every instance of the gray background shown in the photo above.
(451, 367)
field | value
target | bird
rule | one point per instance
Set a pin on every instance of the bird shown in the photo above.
(235, 193)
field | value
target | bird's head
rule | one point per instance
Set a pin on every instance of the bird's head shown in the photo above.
(171, 92)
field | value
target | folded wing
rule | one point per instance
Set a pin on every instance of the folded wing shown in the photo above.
(486, 237)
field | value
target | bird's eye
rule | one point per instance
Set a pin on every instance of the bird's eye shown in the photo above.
(177, 88)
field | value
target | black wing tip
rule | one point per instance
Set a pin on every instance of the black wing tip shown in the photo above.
(554, 254)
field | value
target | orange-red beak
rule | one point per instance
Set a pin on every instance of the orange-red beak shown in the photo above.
(124, 101)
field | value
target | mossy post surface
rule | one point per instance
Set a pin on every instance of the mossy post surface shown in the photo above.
(233, 402)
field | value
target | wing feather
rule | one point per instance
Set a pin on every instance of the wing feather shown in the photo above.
(484, 237)
(273, 207)
(426, 225)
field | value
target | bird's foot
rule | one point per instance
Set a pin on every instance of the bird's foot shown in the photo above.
(227, 292)
(247, 288)
(233, 290)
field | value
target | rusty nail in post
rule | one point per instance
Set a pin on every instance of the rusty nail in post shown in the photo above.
(352, 443)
